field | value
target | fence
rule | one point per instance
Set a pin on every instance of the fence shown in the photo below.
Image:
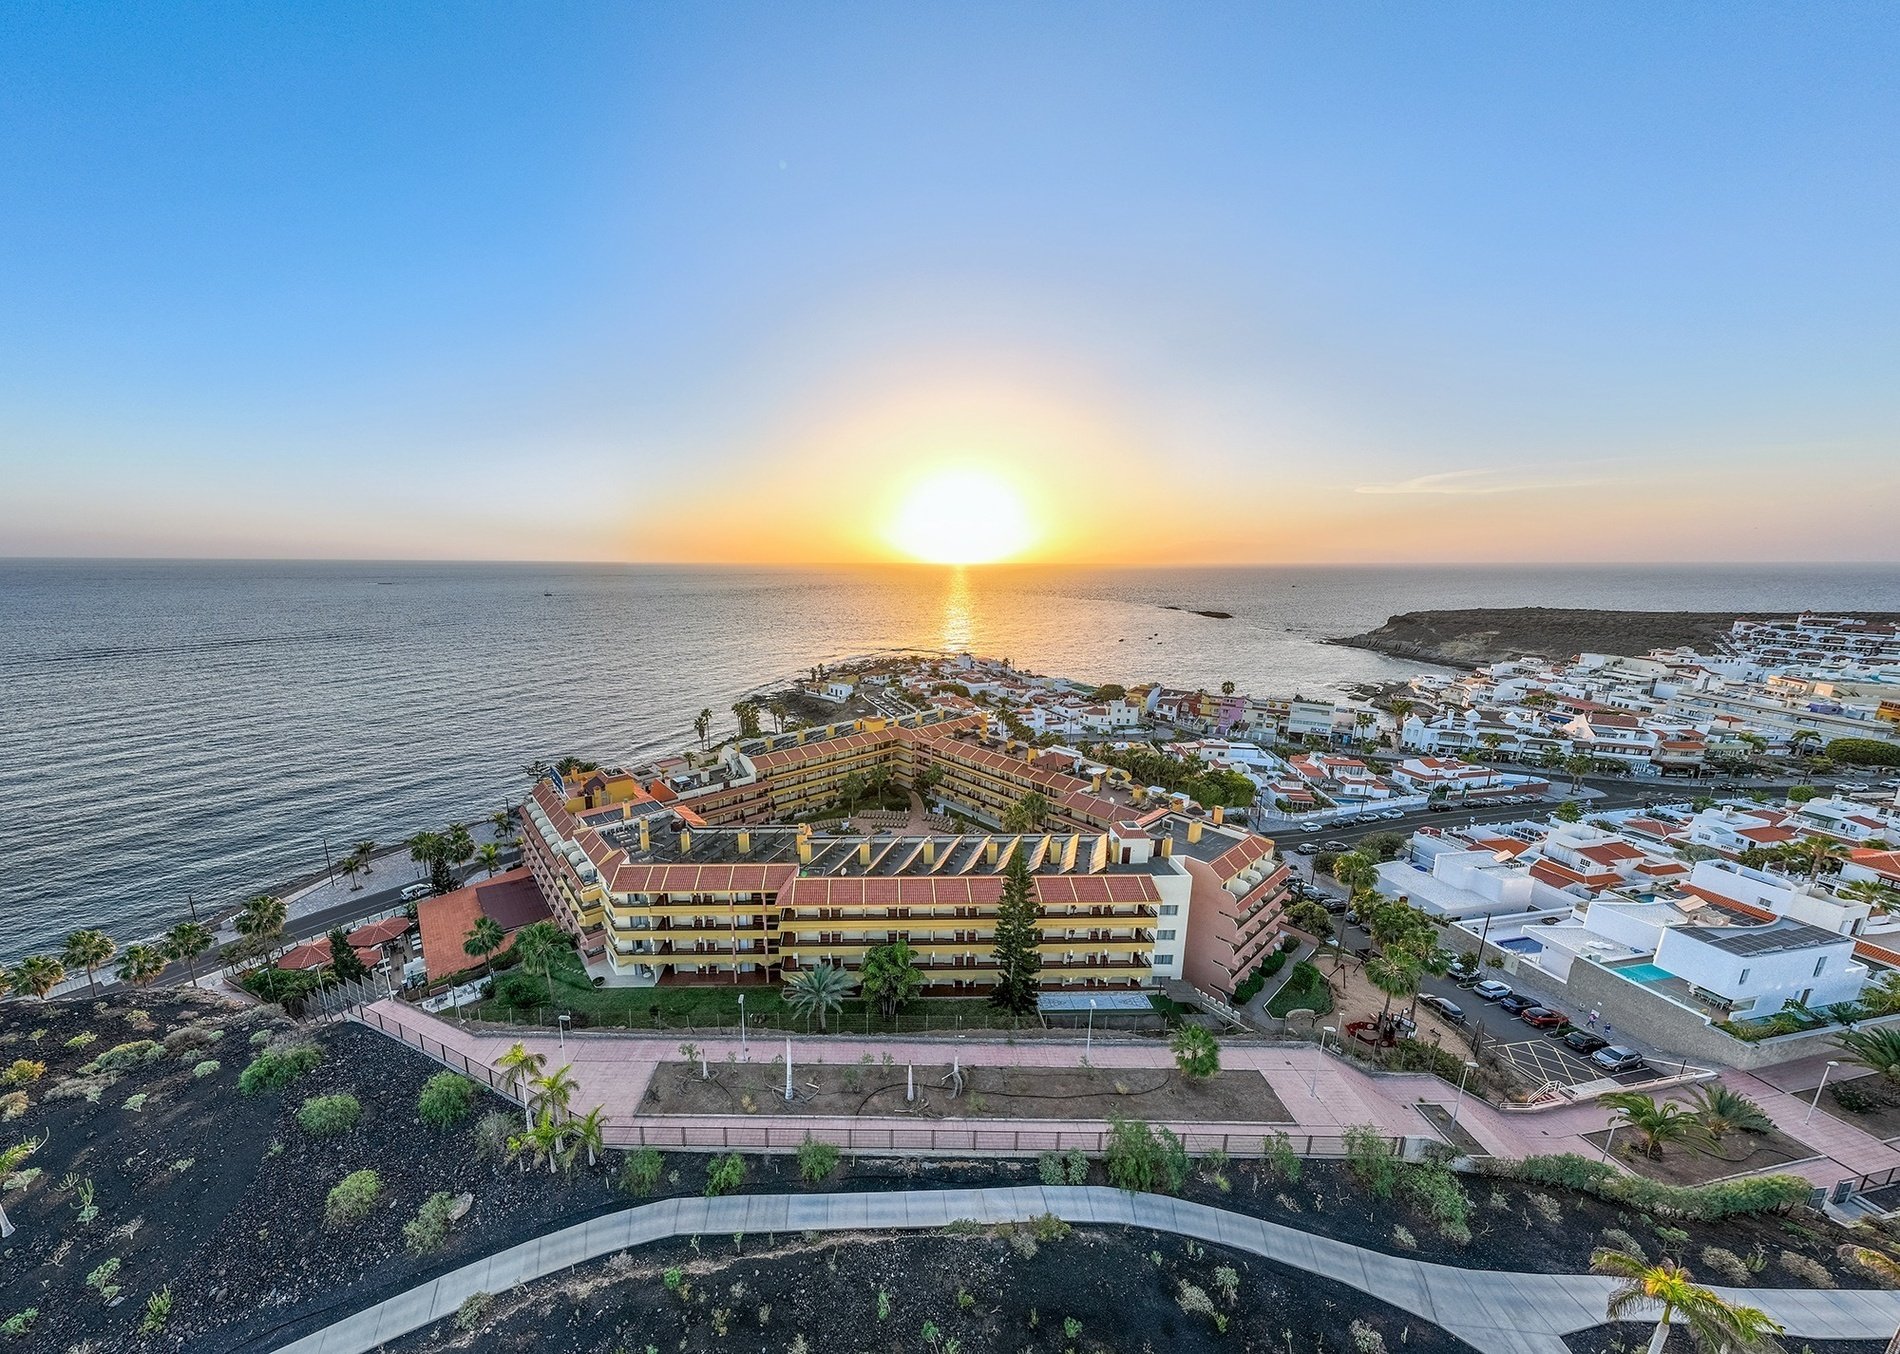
(717, 1133)
(920, 1019)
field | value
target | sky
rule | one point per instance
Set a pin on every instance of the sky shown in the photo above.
(1172, 284)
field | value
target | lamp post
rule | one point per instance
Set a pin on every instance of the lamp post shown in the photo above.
(561, 1021)
(1325, 1034)
(1815, 1103)
(742, 1045)
(1609, 1141)
(1459, 1103)
(1088, 1037)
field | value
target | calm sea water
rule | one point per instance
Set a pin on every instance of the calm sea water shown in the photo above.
(169, 728)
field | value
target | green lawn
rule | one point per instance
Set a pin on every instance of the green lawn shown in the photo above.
(1306, 990)
(716, 1006)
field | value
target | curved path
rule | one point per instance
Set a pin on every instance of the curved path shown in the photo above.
(1496, 1312)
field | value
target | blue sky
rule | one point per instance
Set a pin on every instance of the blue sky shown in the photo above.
(1208, 283)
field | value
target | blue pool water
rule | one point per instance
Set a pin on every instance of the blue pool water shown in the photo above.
(1645, 973)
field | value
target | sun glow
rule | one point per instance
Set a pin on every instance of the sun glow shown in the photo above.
(961, 516)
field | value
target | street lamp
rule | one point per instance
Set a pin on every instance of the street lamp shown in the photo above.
(1459, 1103)
(1088, 1037)
(561, 1021)
(1325, 1034)
(1815, 1103)
(1607, 1142)
(742, 1048)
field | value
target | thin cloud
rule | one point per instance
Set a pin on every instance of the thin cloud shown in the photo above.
(1469, 483)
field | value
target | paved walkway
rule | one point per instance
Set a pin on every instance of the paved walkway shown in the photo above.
(1324, 1094)
(1496, 1312)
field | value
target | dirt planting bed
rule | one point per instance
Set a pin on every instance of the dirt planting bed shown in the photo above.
(1090, 1291)
(1737, 1154)
(1628, 1337)
(878, 1089)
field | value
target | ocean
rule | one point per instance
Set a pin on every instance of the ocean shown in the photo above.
(205, 728)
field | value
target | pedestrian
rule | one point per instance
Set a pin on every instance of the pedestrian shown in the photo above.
(1593, 1020)
(1608, 1033)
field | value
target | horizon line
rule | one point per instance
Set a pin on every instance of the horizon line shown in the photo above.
(929, 564)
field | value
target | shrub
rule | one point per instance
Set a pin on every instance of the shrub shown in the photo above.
(1195, 1052)
(1700, 1203)
(446, 1099)
(1616, 1239)
(724, 1175)
(1141, 1157)
(352, 1198)
(12, 1105)
(430, 1226)
(158, 1308)
(1281, 1159)
(1049, 1168)
(1855, 1098)
(1075, 1165)
(100, 1280)
(1370, 1158)
(519, 992)
(1810, 1272)
(22, 1072)
(816, 1160)
(1193, 1299)
(1047, 1227)
(492, 1132)
(1435, 1191)
(474, 1307)
(1727, 1264)
(19, 1323)
(125, 1057)
(1366, 1339)
(324, 1116)
(640, 1172)
(276, 1068)
(205, 1068)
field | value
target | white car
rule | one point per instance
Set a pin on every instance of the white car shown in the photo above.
(415, 893)
(1391, 814)
(1309, 827)
(1491, 990)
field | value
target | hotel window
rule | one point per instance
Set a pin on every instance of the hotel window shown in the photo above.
(1170, 909)
(1164, 935)
(1820, 964)
(1163, 960)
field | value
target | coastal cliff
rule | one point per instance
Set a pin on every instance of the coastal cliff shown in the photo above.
(1480, 635)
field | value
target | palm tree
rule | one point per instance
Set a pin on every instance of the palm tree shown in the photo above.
(1028, 813)
(1395, 973)
(39, 974)
(1578, 765)
(538, 943)
(261, 920)
(1820, 852)
(555, 1091)
(141, 964)
(519, 1069)
(88, 950)
(1715, 1326)
(1356, 871)
(1876, 894)
(483, 939)
(503, 821)
(432, 850)
(185, 942)
(489, 855)
(1656, 1124)
(1723, 1111)
(589, 1134)
(544, 1140)
(702, 725)
(1875, 1049)
(817, 991)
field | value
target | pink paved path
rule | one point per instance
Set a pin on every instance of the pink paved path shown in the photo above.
(1323, 1093)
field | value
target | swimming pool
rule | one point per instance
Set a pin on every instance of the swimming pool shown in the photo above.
(1646, 973)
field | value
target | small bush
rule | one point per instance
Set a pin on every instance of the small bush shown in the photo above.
(1402, 1238)
(324, 1116)
(1367, 1339)
(1435, 1191)
(1193, 1299)
(276, 1068)
(1141, 1157)
(474, 1307)
(640, 1172)
(446, 1099)
(1727, 1264)
(125, 1057)
(22, 1072)
(1049, 1168)
(430, 1226)
(1616, 1239)
(1281, 1159)
(1855, 1098)
(1370, 1159)
(1546, 1207)
(816, 1160)
(205, 1068)
(158, 1308)
(352, 1198)
(492, 1132)
(1810, 1272)
(12, 1105)
(1047, 1227)
(724, 1175)
(17, 1325)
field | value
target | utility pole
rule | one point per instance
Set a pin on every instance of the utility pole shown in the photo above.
(328, 869)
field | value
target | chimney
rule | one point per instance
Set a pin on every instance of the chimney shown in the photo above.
(646, 835)
(745, 841)
(1167, 846)
(930, 850)
(864, 853)
(1095, 783)
(989, 851)
(1220, 815)
(801, 736)
(1194, 830)
(804, 850)
(686, 841)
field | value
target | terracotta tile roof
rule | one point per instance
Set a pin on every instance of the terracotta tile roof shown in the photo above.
(512, 899)
(710, 878)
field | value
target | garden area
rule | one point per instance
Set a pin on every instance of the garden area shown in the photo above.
(1307, 989)
(872, 1087)
(1039, 1286)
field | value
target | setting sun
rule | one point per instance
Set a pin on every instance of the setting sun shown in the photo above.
(961, 517)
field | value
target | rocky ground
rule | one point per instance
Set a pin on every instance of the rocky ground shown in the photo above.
(1474, 637)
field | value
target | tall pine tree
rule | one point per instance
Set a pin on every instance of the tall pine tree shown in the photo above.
(1018, 933)
(343, 961)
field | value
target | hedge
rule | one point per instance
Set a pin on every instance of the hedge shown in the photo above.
(1864, 752)
(1697, 1203)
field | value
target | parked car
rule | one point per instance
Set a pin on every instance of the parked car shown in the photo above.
(1367, 818)
(1582, 1041)
(1337, 845)
(1616, 1058)
(1439, 808)
(1516, 1004)
(1337, 905)
(1309, 827)
(1392, 815)
(1445, 1006)
(1543, 1018)
(415, 893)
(1491, 990)
(1308, 848)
